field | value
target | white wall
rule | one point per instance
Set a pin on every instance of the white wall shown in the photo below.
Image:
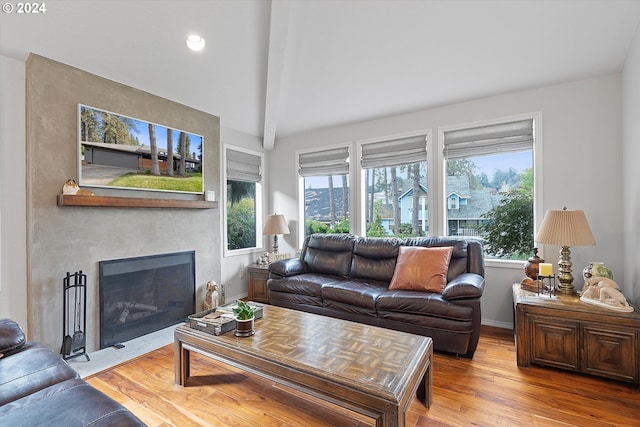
(582, 151)
(631, 171)
(13, 267)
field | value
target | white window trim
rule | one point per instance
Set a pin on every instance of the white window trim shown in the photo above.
(360, 228)
(300, 186)
(439, 193)
(259, 204)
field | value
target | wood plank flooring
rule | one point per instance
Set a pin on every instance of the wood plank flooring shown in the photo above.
(489, 390)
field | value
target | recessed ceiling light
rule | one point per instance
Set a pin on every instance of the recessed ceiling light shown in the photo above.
(195, 42)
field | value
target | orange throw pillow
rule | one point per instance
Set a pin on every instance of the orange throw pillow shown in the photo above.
(421, 269)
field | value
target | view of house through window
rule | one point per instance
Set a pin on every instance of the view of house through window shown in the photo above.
(391, 206)
(395, 172)
(489, 187)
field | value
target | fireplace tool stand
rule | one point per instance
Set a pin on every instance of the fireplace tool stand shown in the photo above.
(74, 321)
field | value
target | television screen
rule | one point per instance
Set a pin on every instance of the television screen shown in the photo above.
(118, 151)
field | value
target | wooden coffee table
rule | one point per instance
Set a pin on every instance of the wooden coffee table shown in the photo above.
(367, 369)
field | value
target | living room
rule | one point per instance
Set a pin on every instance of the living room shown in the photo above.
(588, 151)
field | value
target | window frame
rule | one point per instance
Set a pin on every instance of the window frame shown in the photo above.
(440, 191)
(301, 190)
(361, 225)
(259, 204)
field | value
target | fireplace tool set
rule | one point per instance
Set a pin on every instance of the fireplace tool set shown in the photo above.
(74, 320)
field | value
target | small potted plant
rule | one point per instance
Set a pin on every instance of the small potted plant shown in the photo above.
(245, 315)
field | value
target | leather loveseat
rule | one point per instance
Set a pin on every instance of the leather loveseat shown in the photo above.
(38, 388)
(348, 277)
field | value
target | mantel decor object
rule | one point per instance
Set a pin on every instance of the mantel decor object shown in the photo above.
(565, 228)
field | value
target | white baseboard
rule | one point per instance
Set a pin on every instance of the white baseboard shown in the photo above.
(504, 325)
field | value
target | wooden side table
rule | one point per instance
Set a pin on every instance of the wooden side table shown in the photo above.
(563, 332)
(258, 275)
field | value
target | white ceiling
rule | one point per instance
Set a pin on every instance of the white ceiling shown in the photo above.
(276, 68)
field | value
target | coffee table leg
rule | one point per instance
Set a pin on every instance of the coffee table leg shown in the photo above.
(392, 418)
(182, 359)
(425, 390)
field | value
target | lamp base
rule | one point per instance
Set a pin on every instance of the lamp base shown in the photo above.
(274, 248)
(564, 272)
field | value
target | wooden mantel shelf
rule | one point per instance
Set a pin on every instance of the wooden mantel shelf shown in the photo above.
(132, 202)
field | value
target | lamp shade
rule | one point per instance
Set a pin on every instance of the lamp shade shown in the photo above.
(565, 228)
(275, 224)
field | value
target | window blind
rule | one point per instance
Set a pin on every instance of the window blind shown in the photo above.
(486, 140)
(394, 152)
(326, 162)
(243, 166)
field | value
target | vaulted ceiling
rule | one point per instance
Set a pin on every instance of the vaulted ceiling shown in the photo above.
(276, 68)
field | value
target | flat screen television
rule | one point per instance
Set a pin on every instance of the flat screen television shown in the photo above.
(117, 151)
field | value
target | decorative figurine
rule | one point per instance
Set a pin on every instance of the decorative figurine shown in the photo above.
(211, 297)
(604, 292)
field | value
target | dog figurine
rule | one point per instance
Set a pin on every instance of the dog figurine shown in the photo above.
(211, 298)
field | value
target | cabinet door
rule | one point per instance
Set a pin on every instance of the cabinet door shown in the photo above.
(258, 285)
(610, 353)
(555, 343)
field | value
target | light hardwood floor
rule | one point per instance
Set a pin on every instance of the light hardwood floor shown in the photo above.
(489, 390)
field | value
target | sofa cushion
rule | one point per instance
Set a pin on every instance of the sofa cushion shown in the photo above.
(421, 269)
(422, 304)
(11, 337)
(374, 258)
(32, 369)
(68, 403)
(302, 284)
(459, 262)
(329, 254)
(354, 292)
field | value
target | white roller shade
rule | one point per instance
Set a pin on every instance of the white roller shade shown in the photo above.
(394, 152)
(243, 166)
(322, 163)
(486, 140)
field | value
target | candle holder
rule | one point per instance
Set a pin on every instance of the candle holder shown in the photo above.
(551, 288)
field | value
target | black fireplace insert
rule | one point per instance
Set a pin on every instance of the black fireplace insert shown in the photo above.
(145, 294)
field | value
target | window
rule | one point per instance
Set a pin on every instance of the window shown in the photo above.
(244, 201)
(489, 186)
(394, 193)
(324, 177)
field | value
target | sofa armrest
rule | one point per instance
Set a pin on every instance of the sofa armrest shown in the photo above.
(288, 267)
(11, 337)
(466, 285)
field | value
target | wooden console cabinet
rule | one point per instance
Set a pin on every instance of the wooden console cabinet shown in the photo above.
(565, 333)
(258, 275)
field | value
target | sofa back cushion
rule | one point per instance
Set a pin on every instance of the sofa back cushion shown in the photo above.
(328, 253)
(374, 258)
(467, 256)
(422, 269)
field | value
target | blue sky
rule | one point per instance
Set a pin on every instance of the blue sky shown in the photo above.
(142, 133)
(161, 136)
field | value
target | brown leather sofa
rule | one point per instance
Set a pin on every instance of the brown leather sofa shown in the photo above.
(348, 277)
(38, 388)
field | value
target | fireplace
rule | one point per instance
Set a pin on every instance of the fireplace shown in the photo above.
(145, 294)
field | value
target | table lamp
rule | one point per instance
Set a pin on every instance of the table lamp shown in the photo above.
(275, 224)
(565, 228)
